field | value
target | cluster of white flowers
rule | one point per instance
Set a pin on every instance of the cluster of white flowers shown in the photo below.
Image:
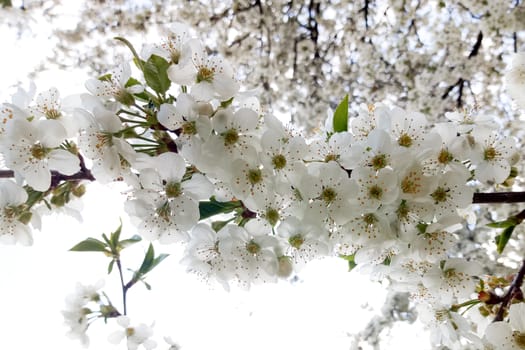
(385, 190)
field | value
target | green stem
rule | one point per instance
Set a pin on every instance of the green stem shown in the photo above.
(124, 286)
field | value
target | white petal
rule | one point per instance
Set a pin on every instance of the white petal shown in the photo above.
(64, 162)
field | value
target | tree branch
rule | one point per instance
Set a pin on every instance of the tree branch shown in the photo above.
(514, 290)
(498, 197)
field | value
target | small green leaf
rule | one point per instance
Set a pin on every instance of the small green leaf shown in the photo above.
(351, 261)
(90, 245)
(115, 236)
(511, 221)
(130, 241)
(148, 261)
(110, 266)
(131, 82)
(210, 208)
(105, 77)
(503, 238)
(226, 103)
(6, 3)
(156, 74)
(158, 260)
(341, 116)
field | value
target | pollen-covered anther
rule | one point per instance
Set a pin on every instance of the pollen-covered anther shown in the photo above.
(231, 137)
(254, 176)
(445, 157)
(205, 74)
(375, 192)
(253, 248)
(440, 194)
(278, 161)
(38, 151)
(328, 195)
(490, 153)
(296, 241)
(405, 140)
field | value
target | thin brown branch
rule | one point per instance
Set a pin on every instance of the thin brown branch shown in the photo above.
(514, 291)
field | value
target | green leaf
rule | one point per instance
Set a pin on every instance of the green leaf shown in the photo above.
(130, 241)
(341, 116)
(105, 77)
(114, 237)
(351, 261)
(131, 82)
(158, 260)
(511, 221)
(210, 208)
(226, 103)
(6, 3)
(90, 245)
(503, 238)
(148, 261)
(110, 266)
(156, 74)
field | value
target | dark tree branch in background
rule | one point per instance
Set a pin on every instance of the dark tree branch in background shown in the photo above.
(477, 46)
(461, 82)
(514, 291)
(498, 197)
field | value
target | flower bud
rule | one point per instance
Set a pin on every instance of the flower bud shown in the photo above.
(285, 266)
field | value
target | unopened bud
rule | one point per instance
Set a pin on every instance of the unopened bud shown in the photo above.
(79, 190)
(204, 108)
(285, 266)
(25, 217)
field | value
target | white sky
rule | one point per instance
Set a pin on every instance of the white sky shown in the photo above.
(317, 313)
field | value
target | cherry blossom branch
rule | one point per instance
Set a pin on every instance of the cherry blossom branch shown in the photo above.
(514, 291)
(56, 177)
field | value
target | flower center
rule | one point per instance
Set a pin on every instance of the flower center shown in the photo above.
(490, 153)
(173, 189)
(279, 161)
(103, 139)
(328, 195)
(296, 241)
(379, 161)
(404, 140)
(189, 128)
(272, 215)
(205, 74)
(253, 248)
(52, 113)
(38, 151)
(445, 156)
(375, 192)
(402, 211)
(370, 219)
(440, 194)
(254, 176)
(230, 137)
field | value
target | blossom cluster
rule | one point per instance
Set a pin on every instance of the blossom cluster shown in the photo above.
(252, 199)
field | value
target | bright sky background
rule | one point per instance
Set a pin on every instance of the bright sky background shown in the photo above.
(318, 312)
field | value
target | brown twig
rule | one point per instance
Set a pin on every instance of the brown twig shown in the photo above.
(514, 290)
